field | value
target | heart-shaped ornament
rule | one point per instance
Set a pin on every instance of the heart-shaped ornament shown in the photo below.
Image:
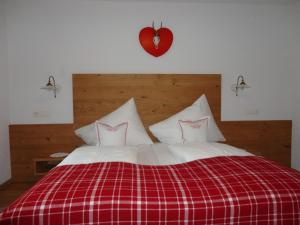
(156, 42)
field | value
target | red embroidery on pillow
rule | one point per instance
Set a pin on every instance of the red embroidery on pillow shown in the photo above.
(110, 128)
(194, 124)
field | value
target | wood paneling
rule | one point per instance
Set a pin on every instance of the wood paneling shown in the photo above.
(41, 166)
(271, 139)
(38, 141)
(157, 96)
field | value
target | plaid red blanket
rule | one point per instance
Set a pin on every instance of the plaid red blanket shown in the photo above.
(221, 190)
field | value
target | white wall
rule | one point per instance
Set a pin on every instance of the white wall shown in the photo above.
(4, 100)
(296, 98)
(61, 37)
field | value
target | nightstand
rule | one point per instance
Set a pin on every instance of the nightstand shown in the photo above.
(41, 166)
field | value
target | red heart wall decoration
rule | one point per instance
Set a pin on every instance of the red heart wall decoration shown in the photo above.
(147, 35)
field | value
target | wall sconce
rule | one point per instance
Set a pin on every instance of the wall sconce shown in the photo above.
(240, 85)
(50, 86)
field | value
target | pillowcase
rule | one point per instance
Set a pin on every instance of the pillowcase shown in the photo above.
(168, 131)
(214, 133)
(136, 133)
(194, 131)
(111, 136)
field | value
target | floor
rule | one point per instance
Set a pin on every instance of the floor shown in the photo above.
(11, 191)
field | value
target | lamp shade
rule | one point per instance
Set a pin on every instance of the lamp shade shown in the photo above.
(240, 85)
(50, 86)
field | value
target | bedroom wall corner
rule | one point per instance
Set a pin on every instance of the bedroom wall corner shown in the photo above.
(5, 169)
(296, 98)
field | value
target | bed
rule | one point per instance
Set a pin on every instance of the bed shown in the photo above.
(189, 183)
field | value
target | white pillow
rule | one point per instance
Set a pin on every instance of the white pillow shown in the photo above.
(214, 133)
(168, 131)
(136, 133)
(111, 136)
(194, 131)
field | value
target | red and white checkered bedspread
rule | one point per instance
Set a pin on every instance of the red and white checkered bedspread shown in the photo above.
(221, 190)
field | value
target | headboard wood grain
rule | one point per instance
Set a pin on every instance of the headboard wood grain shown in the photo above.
(157, 96)
(271, 139)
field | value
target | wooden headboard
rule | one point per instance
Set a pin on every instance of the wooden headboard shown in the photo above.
(157, 96)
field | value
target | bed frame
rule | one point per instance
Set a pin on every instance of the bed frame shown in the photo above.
(157, 97)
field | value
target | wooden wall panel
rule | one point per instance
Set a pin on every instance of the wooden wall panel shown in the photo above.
(157, 96)
(37, 141)
(271, 139)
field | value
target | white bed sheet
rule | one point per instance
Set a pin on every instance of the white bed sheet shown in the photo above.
(193, 151)
(152, 154)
